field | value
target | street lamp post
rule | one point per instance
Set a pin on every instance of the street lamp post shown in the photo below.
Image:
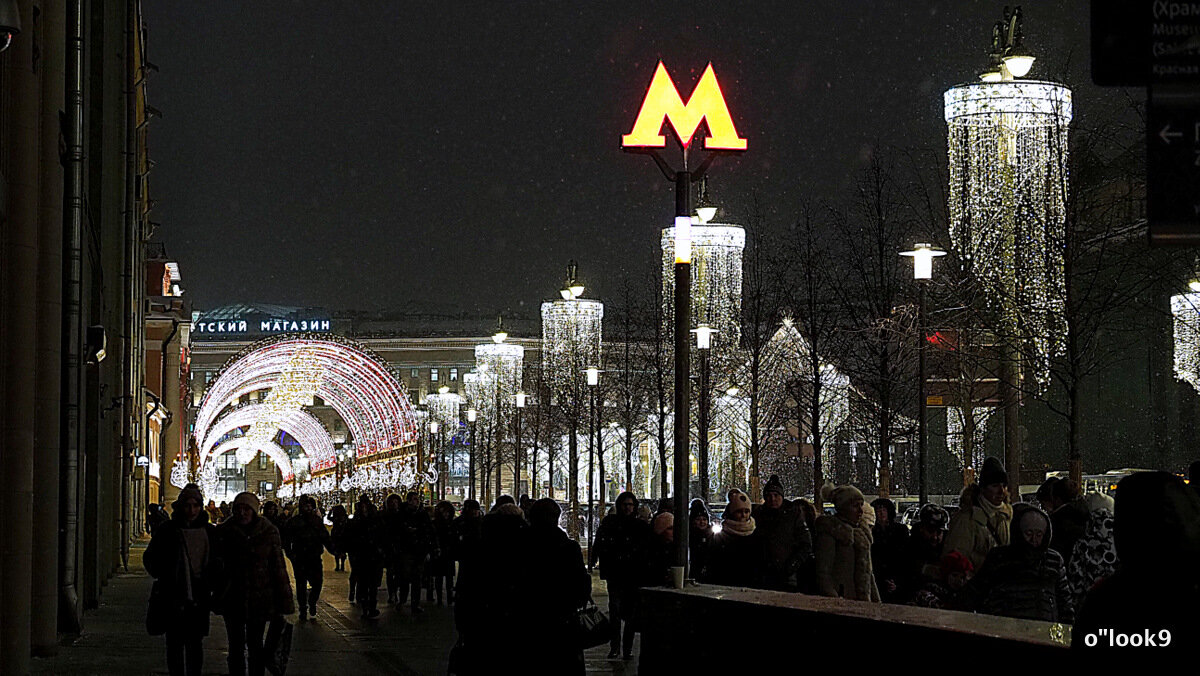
(518, 452)
(703, 342)
(593, 381)
(922, 255)
(472, 414)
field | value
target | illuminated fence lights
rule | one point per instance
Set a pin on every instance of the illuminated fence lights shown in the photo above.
(1008, 182)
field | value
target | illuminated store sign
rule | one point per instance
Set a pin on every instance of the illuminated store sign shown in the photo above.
(260, 326)
(663, 101)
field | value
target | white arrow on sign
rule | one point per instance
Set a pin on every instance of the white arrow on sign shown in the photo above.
(1166, 134)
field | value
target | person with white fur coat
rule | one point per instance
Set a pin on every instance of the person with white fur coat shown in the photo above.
(842, 543)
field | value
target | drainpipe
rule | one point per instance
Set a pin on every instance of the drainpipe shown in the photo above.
(69, 617)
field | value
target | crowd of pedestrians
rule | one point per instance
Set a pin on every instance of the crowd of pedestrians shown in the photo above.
(515, 578)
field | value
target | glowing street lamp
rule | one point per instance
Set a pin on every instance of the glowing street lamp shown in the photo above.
(593, 381)
(472, 416)
(704, 334)
(922, 255)
(518, 452)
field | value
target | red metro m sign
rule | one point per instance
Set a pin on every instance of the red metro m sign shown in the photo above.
(663, 101)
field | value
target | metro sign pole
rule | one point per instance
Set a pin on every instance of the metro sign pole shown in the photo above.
(664, 104)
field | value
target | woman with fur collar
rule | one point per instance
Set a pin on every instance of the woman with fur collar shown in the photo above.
(984, 515)
(843, 547)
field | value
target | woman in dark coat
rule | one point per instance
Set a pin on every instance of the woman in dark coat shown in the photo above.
(338, 535)
(366, 536)
(737, 556)
(182, 559)
(700, 535)
(1024, 579)
(258, 589)
(441, 565)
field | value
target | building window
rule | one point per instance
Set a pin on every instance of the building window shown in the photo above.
(414, 373)
(262, 461)
(414, 396)
(453, 375)
(433, 375)
(265, 487)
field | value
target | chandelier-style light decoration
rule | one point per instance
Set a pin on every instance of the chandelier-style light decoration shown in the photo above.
(572, 329)
(356, 383)
(1185, 308)
(1008, 187)
(496, 378)
(179, 472)
(716, 285)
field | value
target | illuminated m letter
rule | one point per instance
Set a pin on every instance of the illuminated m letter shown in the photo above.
(663, 100)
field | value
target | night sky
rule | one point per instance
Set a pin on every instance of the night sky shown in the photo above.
(369, 154)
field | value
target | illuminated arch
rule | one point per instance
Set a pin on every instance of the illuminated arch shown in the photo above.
(300, 424)
(356, 383)
(273, 451)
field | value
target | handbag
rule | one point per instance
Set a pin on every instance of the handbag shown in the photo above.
(593, 625)
(277, 660)
(162, 610)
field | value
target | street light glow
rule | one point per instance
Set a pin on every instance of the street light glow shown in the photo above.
(472, 414)
(704, 334)
(923, 255)
(683, 239)
(520, 396)
(593, 376)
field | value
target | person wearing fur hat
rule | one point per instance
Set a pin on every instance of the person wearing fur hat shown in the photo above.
(1024, 579)
(843, 547)
(737, 555)
(182, 559)
(922, 554)
(787, 542)
(258, 589)
(1156, 529)
(890, 539)
(622, 548)
(984, 514)
(700, 535)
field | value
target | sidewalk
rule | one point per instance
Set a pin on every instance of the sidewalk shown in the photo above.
(336, 642)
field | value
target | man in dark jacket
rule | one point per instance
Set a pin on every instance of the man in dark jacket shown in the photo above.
(258, 590)
(1025, 579)
(1069, 514)
(182, 559)
(700, 537)
(787, 544)
(305, 540)
(416, 541)
(887, 549)
(468, 529)
(622, 547)
(365, 537)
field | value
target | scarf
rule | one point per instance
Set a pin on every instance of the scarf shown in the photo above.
(998, 518)
(738, 527)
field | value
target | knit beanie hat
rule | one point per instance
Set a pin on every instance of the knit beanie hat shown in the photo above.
(698, 508)
(992, 473)
(248, 499)
(773, 485)
(189, 492)
(956, 562)
(737, 500)
(663, 522)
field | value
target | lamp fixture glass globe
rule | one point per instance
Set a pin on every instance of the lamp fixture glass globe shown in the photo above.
(1018, 64)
